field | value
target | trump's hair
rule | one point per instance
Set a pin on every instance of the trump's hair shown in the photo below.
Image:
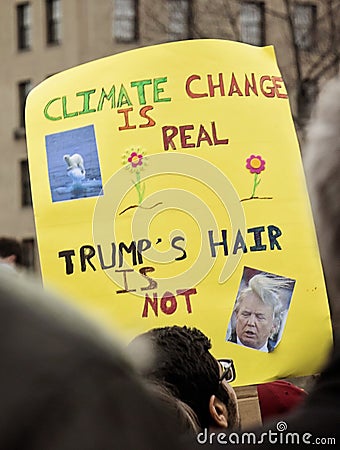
(268, 288)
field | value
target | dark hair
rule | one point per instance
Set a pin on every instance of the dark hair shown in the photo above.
(64, 385)
(9, 247)
(184, 365)
(186, 419)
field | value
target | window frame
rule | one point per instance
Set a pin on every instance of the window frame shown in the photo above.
(24, 30)
(133, 19)
(260, 6)
(312, 27)
(53, 22)
(188, 33)
(25, 184)
(24, 87)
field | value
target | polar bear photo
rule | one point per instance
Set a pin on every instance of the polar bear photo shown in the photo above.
(75, 167)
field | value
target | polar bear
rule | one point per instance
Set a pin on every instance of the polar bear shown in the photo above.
(74, 161)
(75, 167)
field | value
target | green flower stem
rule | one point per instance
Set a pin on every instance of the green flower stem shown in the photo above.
(256, 183)
(140, 188)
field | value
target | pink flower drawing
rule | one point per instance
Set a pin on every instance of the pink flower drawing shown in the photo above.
(255, 164)
(135, 159)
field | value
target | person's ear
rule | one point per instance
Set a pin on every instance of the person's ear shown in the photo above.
(218, 412)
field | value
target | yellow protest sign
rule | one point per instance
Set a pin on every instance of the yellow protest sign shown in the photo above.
(168, 189)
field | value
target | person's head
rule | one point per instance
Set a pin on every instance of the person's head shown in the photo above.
(279, 397)
(257, 310)
(10, 251)
(184, 365)
(186, 419)
(65, 384)
(321, 158)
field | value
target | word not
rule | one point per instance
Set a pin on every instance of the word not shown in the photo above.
(89, 101)
(135, 249)
(239, 244)
(268, 86)
(169, 132)
(168, 302)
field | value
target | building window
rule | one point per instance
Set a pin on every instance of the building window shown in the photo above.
(125, 21)
(252, 23)
(306, 97)
(24, 24)
(26, 196)
(28, 253)
(53, 21)
(304, 20)
(23, 89)
(179, 21)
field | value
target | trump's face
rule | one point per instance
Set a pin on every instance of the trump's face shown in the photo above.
(254, 321)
